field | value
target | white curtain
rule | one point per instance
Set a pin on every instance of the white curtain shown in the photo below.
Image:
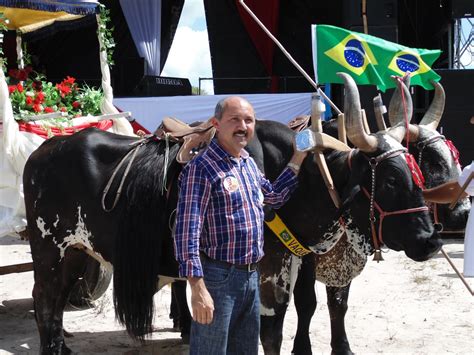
(144, 21)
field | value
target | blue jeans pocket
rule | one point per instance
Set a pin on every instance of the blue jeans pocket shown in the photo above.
(216, 276)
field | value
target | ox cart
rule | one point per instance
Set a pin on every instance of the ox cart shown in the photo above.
(21, 132)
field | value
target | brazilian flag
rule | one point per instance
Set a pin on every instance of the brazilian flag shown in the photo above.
(368, 59)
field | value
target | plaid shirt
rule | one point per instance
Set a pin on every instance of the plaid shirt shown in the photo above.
(220, 209)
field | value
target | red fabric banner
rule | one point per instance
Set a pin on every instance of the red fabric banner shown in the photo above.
(267, 12)
(66, 131)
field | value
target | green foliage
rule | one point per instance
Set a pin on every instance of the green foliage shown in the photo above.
(105, 33)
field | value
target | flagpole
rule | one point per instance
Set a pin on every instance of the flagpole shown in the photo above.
(290, 58)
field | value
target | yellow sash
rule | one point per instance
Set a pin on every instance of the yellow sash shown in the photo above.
(287, 238)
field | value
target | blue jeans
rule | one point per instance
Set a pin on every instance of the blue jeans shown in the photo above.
(235, 327)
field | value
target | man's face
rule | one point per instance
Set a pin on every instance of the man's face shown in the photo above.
(236, 127)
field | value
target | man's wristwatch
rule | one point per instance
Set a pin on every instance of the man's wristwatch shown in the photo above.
(294, 166)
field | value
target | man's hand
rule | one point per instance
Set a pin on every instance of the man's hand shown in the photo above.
(297, 159)
(201, 301)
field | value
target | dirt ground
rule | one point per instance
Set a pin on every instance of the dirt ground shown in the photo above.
(396, 307)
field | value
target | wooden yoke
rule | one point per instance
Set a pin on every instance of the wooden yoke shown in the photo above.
(341, 128)
(317, 107)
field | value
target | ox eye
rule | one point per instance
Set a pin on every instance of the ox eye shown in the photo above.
(390, 182)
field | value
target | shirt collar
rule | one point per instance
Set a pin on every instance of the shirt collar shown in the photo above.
(218, 153)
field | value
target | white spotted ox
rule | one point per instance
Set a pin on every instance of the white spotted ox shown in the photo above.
(65, 178)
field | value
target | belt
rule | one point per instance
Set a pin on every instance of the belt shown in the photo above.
(247, 267)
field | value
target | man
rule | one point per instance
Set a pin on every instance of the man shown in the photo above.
(219, 232)
(447, 193)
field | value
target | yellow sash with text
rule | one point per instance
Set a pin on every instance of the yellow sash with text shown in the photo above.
(286, 237)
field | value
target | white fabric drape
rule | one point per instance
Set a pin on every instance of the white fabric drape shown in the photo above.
(150, 111)
(144, 21)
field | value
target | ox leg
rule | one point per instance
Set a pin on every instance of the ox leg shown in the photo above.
(178, 289)
(305, 304)
(337, 304)
(53, 283)
(174, 312)
(271, 332)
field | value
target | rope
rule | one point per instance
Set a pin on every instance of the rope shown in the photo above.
(132, 152)
(166, 161)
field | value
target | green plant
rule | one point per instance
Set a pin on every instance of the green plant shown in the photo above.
(105, 33)
(31, 94)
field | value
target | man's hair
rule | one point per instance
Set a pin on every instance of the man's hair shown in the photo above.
(220, 106)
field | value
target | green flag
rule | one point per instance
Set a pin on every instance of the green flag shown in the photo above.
(368, 59)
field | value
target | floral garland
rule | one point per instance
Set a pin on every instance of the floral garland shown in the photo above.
(105, 33)
(3, 28)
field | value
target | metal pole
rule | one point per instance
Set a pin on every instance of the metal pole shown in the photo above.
(457, 272)
(290, 58)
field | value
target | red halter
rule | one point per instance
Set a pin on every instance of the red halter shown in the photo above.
(377, 237)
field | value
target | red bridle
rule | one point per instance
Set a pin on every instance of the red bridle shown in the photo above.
(421, 145)
(377, 237)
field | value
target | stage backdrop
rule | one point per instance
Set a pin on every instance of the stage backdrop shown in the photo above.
(150, 111)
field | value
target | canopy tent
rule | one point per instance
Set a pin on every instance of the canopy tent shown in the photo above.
(29, 16)
(15, 145)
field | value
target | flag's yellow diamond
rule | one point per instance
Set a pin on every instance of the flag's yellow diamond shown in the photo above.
(353, 53)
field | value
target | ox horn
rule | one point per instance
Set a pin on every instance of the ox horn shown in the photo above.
(379, 110)
(397, 109)
(435, 111)
(352, 110)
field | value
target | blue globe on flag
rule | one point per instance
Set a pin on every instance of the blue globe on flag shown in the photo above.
(354, 53)
(408, 63)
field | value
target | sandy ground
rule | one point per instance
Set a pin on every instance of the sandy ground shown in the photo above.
(396, 307)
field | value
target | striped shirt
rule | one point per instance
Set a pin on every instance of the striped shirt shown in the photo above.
(220, 209)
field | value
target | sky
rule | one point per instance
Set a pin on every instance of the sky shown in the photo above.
(189, 55)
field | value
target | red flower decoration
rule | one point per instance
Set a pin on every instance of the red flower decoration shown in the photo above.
(76, 104)
(22, 75)
(11, 89)
(39, 97)
(48, 110)
(19, 87)
(69, 80)
(37, 108)
(63, 89)
(29, 100)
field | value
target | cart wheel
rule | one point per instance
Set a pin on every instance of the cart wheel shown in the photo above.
(93, 284)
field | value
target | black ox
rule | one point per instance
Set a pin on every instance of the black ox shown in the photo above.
(65, 180)
(438, 160)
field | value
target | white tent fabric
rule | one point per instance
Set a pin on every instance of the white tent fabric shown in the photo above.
(150, 111)
(144, 21)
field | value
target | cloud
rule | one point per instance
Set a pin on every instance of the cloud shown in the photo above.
(190, 58)
(193, 15)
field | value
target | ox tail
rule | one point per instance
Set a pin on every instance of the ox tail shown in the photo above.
(142, 226)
